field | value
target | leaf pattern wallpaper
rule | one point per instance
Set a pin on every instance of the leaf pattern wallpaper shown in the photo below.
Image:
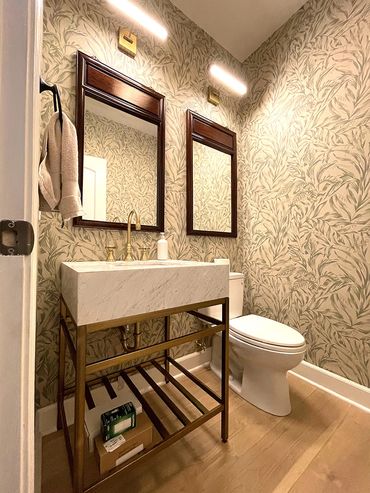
(131, 166)
(306, 192)
(177, 69)
(303, 171)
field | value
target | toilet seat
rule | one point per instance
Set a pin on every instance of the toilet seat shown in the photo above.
(268, 347)
(268, 334)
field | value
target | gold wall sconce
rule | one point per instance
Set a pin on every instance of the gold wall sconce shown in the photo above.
(127, 42)
(213, 96)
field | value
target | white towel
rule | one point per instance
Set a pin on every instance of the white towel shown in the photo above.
(58, 170)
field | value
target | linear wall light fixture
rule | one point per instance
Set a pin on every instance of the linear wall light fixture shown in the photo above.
(138, 15)
(228, 80)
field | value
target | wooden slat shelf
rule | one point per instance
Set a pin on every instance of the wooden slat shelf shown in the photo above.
(111, 392)
(146, 406)
(167, 400)
(111, 377)
(181, 388)
(196, 380)
(84, 386)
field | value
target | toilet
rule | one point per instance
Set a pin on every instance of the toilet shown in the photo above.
(261, 353)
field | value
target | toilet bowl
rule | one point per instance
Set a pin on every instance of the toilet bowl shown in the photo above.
(262, 351)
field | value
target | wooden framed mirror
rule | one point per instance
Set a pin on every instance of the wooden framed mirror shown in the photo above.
(211, 165)
(120, 130)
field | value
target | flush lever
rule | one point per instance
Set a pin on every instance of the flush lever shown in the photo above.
(16, 237)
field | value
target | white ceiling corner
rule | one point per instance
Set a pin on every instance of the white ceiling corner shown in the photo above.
(240, 26)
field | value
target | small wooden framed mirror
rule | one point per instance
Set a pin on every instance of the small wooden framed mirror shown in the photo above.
(211, 166)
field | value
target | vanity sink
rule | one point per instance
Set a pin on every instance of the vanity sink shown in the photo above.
(100, 291)
(144, 263)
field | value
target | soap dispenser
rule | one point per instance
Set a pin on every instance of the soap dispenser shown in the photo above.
(162, 247)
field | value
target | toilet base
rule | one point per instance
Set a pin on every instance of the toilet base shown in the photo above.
(266, 390)
(259, 376)
(274, 397)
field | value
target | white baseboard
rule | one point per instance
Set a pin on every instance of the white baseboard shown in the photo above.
(352, 392)
(46, 417)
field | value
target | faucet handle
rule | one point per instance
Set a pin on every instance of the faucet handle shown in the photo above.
(144, 253)
(110, 253)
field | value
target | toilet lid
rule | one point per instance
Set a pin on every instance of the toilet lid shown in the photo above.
(267, 331)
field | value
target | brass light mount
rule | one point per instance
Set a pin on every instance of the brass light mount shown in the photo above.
(127, 41)
(213, 96)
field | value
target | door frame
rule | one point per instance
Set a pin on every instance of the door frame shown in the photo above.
(20, 55)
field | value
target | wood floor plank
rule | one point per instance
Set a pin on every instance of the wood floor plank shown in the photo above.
(343, 464)
(260, 466)
(55, 467)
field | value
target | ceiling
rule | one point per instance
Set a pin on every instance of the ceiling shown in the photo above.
(120, 116)
(240, 26)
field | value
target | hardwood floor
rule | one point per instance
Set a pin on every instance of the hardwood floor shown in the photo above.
(323, 446)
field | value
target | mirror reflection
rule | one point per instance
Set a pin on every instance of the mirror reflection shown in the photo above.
(119, 165)
(211, 189)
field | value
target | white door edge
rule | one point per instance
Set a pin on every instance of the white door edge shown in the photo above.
(20, 54)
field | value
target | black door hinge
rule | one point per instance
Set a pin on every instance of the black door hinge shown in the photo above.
(16, 237)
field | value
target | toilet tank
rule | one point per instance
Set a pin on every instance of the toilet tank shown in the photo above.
(236, 288)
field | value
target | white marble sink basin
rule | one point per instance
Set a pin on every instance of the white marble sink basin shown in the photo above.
(100, 291)
(144, 263)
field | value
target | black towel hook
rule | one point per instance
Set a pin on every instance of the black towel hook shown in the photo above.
(44, 86)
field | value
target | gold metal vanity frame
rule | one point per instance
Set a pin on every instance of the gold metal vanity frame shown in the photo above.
(84, 382)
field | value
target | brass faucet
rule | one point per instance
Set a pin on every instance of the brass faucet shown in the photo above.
(137, 227)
